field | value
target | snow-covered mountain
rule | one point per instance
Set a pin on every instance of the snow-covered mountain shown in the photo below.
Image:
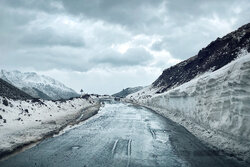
(38, 86)
(127, 91)
(209, 94)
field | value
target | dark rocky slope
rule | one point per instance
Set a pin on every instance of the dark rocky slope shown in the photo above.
(216, 55)
(10, 91)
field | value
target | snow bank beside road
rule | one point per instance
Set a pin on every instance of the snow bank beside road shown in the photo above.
(24, 122)
(215, 106)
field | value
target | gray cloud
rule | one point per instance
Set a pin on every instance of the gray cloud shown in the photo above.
(164, 18)
(48, 37)
(149, 16)
(125, 12)
(48, 58)
(35, 5)
(182, 47)
(132, 57)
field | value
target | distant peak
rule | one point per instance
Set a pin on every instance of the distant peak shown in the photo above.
(45, 84)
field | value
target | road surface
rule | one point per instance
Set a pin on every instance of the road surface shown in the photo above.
(121, 135)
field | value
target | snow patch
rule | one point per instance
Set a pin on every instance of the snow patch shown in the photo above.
(27, 121)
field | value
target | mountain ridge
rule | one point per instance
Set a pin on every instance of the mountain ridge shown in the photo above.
(127, 91)
(38, 86)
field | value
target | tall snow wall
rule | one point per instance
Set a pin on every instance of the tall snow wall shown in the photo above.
(218, 101)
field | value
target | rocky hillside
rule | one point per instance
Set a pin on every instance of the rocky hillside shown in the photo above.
(10, 91)
(38, 86)
(216, 55)
(127, 91)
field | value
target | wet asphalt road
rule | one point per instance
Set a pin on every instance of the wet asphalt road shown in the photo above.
(121, 135)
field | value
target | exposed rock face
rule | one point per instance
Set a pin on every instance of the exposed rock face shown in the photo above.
(10, 91)
(216, 55)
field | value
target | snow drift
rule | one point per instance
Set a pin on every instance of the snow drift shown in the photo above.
(214, 106)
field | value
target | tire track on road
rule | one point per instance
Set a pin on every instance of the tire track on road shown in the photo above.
(129, 151)
(114, 147)
(152, 133)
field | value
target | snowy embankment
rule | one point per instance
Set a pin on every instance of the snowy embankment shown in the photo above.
(25, 122)
(215, 106)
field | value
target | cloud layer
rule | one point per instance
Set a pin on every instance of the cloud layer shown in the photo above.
(112, 37)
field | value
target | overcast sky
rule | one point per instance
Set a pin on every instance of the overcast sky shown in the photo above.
(104, 46)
